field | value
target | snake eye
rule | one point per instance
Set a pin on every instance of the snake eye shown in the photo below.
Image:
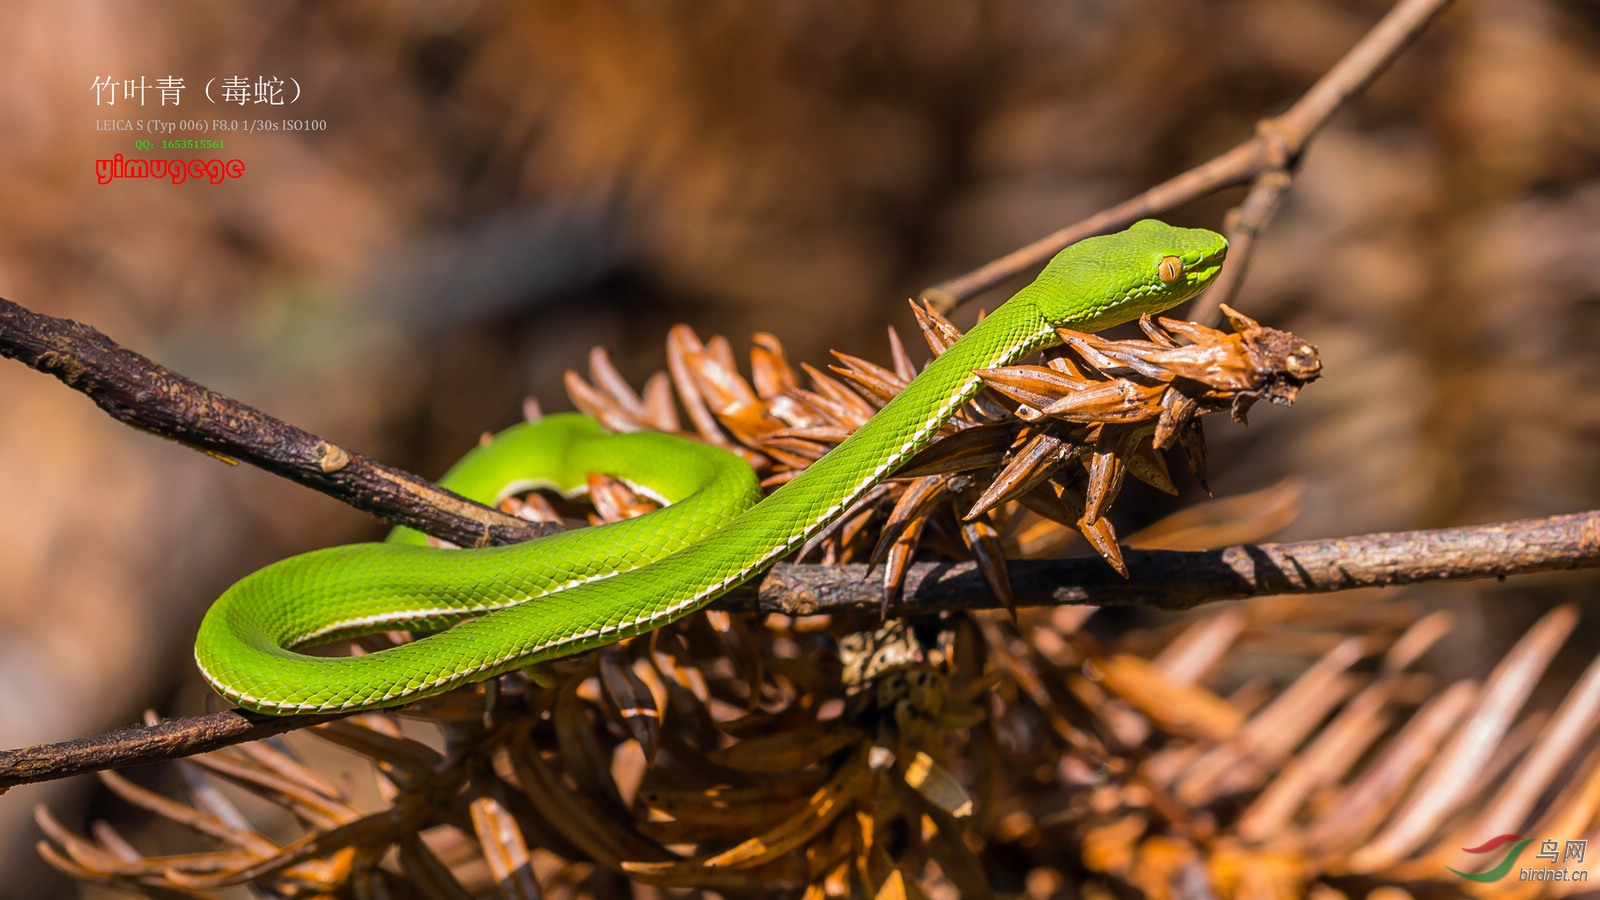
(1170, 270)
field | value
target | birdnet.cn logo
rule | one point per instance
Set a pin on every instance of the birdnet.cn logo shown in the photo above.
(1562, 860)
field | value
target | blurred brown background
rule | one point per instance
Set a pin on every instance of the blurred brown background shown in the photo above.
(501, 186)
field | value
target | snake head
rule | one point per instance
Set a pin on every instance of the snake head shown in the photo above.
(1114, 278)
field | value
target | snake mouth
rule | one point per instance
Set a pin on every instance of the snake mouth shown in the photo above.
(1206, 269)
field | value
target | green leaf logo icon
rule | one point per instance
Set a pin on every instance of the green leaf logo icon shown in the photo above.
(1500, 871)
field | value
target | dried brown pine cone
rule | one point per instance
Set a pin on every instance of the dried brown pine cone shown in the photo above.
(1039, 454)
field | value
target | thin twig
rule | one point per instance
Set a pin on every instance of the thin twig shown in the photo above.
(1234, 167)
(139, 392)
(1275, 150)
(1163, 579)
(1242, 225)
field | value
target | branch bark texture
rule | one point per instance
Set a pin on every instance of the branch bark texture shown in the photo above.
(136, 391)
(140, 746)
(1179, 580)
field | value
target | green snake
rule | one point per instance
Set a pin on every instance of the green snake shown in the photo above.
(503, 608)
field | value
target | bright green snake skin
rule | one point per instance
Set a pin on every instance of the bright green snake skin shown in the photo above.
(599, 585)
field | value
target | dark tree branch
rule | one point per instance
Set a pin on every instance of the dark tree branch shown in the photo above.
(1164, 579)
(1273, 154)
(139, 746)
(1178, 580)
(137, 391)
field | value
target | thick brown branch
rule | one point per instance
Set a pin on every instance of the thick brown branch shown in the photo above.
(1158, 578)
(139, 746)
(1177, 580)
(1276, 148)
(138, 392)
